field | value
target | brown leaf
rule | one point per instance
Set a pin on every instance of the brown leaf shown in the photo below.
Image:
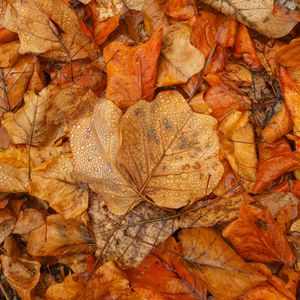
(52, 29)
(169, 151)
(56, 185)
(256, 236)
(108, 282)
(180, 60)
(28, 125)
(127, 240)
(58, 237)
(132, 71)
(9, 54)
(22, 274)
(7, 223)
(224, 273)
(256, 14)
(274, 160)
(162, 275)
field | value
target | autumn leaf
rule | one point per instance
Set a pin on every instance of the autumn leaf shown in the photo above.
(223, 272)
(256, 236)
(161, 139)
(127, 240)
(58, 237)
(22, 274)
(107, 282)
(255, 14)
(50, 28)
(278, 155)
(7, 223)
(132, 71)
(181, 10)
(28, 125)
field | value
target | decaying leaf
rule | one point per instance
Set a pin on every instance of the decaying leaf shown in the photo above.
(28, 125)
(169, 151)
(7, 223)
(180, 60)
(50, 28)
(22, 274)
(257, 14)
(225, 274)
(58, 237)
(127, 240)
(256, 236)
(56, 185)
(108, 282)
(132, 71)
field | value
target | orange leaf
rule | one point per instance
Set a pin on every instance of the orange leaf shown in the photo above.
(132, 71)
(286, 186)
(274, 160)
(244, 47)
(257, 237)
(181, 10)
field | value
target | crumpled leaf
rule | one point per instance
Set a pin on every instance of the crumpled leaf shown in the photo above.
(223, 99)
(222, 271)
(58, 237)
(256, 236)
(132, 71)
(180, 60)
(14, 171)
(108, 282)
(56, 185)
(238, 143)
(7, 223)
(291, 98)
(127, 240)
(274, 160)
(163, 275)
(14, 81)
(169, 151)
(50, 28)
(22, 274)
(256, 14)
(28, 125)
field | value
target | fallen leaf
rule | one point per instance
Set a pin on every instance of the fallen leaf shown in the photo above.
(225, 274)
(274, 160)
(255, 14)
(108, 282)
(22, 274)
(292, 186)
(223, 99)
(9, 54)
(7, 223)
(161, 139)
(58, 237)
(128, 240)
(28, 125)
(180, 60)
(257, 237)
(56, 185)
(50, 28)
(181, 10)
(163, 275)
(132, 71)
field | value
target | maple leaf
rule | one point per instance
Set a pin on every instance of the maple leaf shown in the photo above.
(155, 137)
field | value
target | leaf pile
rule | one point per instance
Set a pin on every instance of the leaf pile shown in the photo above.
(149, 149)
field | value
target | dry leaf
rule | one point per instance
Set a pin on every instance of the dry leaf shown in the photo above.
(256, 236)
(286, 186)
(223, 272)
(162, 275)
(108, 282)
(50, 28)
(56, 185)
(256, 14)
(180, 60)
(128, 240)
(132, 71)
(28, 220)
(58, 237)
(169, 151)
(28, 125)
(22, 274)
(181, 10)
(274, 160)
(7, 223)
(9, 54)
